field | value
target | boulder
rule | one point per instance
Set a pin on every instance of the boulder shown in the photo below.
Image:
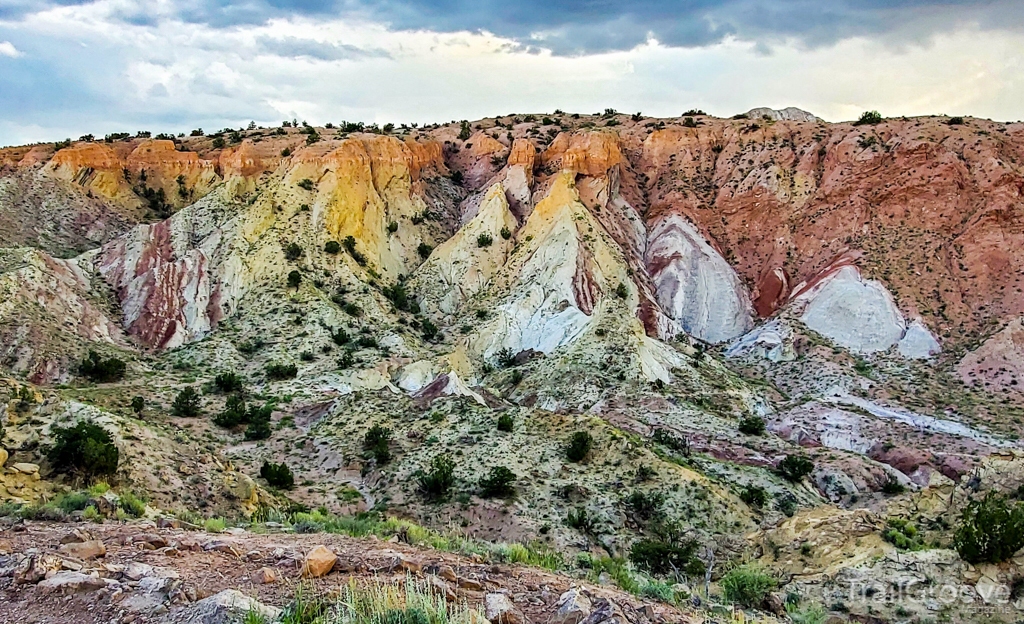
(71, 583)
(573, 607)
(605, 612)
(437, 586)
(264, 576)
(318, 562)
(225, 607)
(77, 536)
(137, 570)
(34, 568)
(26, 468)
(498, 609)
(84, 550)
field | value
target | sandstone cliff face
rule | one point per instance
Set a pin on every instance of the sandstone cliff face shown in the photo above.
(95, 166)
(465, 264)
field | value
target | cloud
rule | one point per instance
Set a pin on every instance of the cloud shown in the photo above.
(7, 49)
(121, 65)
(575, 27)
(295, 47)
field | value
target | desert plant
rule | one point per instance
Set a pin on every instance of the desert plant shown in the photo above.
(795, 467)
(892, 485)
(294, 279)
(754, 496)
(97, 369)
(579, 446)
(902, 534)
(228, 382)
(306, 184)
(506, 233)
(428, 329)
(392, 226)
(484, 240)
(437, 482)
(259, 422)
(580, 520)
(138, 404)
(499, 483)
(660, 557)
(85, 449)
(293, 251)
(278, 371)
(869, 118)
(377, 441)
(645, 507)
(752, 425)
(991, 530)
(464, 131)
(332, 247)
(278, 475)
(131, 504)
(234, 412)
(621, 291)
(187, 403)
(505, 423)
(424, 250)
(747, 585)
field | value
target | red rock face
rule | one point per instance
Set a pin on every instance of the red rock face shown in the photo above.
(935, 209)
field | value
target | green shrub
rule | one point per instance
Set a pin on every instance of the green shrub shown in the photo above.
(259, 422)
(659, 557)
(499, 483)
(392, 226)
(464, 131)
(278, 371)
(754, 496)
(795, 467)
(752, 425)
(902, 534)
(892, 485)
(436, 484)
(228, 382)
(73, 501)
(85, 449)
(506, 233)
(424, 250)
(621, 291)
(377, 441)
(138, 404)
(506, 357)
(306, 184)
(990, 531)
(580, 520)
(99, 370)
(91, 514)
(747, 585)
(187, 403)
(807, 614)
(234, 412)
(278, 475)
(428, 329)
(292, 251)
(294, 279)
(484, 240)
(955, 121)
(645, 507)
(505, 422)
(869, 118)
(131, 504)
(579, 446)
(332, 247)
(214, 525)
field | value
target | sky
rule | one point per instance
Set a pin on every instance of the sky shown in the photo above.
(72, 67)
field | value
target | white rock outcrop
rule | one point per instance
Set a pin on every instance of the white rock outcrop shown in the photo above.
(861, 315)
(694, 284)
(790, 113)
(918, 343)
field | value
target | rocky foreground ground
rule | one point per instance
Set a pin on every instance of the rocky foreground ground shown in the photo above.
(141, 572)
